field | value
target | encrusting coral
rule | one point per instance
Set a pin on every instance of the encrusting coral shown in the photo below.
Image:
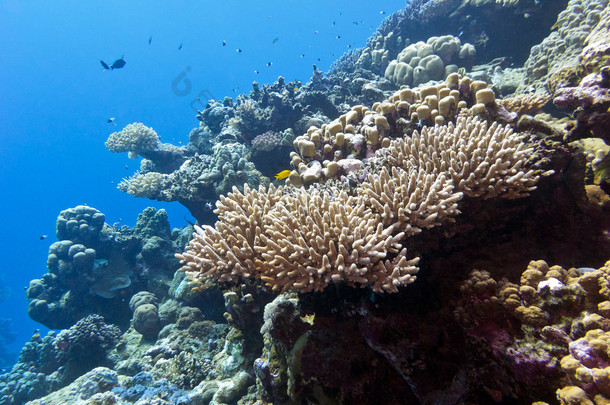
(304, 240)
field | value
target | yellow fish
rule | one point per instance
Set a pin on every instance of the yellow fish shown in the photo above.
(308, 318)
(283, 174)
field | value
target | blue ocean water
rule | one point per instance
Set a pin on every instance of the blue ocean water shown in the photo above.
(56, 98)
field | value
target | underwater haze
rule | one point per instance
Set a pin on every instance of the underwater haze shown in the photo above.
(57, 98)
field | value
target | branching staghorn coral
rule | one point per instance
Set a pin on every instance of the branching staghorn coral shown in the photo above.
(304, 240)
(298, 241)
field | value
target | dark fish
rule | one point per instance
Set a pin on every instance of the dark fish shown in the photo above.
(275, 40)
(118, 64)
(238, 50)
(149, 40)
(126, 167)
(302, 55)
(382, 12)
(349, 46)
(224, 43)
(269, 63)
(43, 237)
(256, 71)
(111, 121)
(105, 65)
(315, 32)
(338, 36)
(333, 23)
(189, 222)
(355, 23)
(180, 47)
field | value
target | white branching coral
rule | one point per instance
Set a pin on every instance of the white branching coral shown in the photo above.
(298, 242)
(303, 240)
(134, 138)
(147, 185)
(481, 160)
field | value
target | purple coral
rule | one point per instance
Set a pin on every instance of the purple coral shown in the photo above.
(267, 141)
(590, 100)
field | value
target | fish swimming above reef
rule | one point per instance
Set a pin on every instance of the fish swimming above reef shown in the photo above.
(117, 64)
(283, 174)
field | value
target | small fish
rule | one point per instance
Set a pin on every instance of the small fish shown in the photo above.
(180, 47)
(275, 40)
(224, 43)
(355, 23)
(382, 12)
(117, 64)
(349, 46)
(256, 71)
(36, 330)
(189, 222)
(36, 336)
(308, 318)
(315, 32)
(43, 237)
(126, 167)
(149, 40)
(238, 50)
(333, 23)
(111, 121)
(283, 174)
(302, 55)
(296, 89)
(208, 206)
(338, 36)
(269, 63)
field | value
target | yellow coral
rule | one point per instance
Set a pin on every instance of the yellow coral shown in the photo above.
(573, 396)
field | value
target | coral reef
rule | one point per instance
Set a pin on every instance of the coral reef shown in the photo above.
(50, 363)
(305, 240)
(198, 180)
(94, 267)
(590, 101)
(432, 197)
(434, 59)
(563, 46)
